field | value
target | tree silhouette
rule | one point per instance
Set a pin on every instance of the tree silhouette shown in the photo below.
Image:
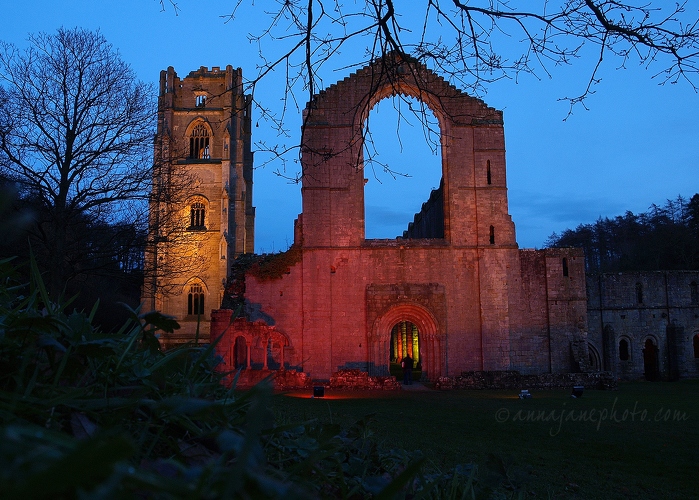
(471, 43)
(76, 131)
(663, 238)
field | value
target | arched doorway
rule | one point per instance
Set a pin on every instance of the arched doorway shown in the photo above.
(405, 341)
(594, 357)
(427, 342)
(650, 360)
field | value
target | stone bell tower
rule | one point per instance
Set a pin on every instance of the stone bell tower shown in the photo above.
(201, 212)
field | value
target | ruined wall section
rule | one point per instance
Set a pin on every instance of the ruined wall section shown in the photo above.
(429, 221)
(550, 331)
(567, 309)
(529, 338)
(667, 314)
(333, 181)
(279, 303)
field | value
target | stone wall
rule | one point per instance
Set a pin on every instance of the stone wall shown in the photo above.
(549, 308)
(478, 302)
(513, 380)
(429, 221)
(637, 308)
(360, 380)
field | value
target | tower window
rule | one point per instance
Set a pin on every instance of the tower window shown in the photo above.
(492, 235)
(565, 266)
(695, 341)
(199, 143)
(195, 300)
(488, 173)
(694, 293)
(197, 215)
(201, 101)
(639, 293)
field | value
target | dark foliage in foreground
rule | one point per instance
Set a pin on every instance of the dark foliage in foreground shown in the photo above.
(106, 260)
(111, 416)
(663, 238)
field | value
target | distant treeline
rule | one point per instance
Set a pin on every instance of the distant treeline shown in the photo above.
(663, 238)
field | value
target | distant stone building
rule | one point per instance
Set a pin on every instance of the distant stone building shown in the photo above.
(201, 214)
(456, 293)
(644, 325)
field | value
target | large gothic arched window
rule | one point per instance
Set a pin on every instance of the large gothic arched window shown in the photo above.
(195, 300)
(197, 215)
(199, 143)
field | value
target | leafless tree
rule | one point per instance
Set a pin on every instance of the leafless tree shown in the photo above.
(76, 131)
(477, 42)
(472, 43)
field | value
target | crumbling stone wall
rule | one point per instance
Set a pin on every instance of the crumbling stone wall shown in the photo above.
(429, 221)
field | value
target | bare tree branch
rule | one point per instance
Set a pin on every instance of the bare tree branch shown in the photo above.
(77, 135)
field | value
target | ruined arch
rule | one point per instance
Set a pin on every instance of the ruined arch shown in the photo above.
(431, 339)
(409, 80)
(471, 137)
(264, 345)
(415, 89)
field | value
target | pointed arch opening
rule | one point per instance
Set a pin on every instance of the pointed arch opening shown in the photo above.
(196, 213)
(402, 162)
(594, 357)
(195, 293)
(200, 135)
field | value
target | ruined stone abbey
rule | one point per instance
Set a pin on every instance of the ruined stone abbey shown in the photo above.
(455, 292)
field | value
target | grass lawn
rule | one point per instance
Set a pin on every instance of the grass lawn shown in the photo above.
(641, 441)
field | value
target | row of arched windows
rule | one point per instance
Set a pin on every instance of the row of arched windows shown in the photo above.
(625, 347)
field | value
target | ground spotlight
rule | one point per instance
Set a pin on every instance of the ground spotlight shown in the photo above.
(318, 391)
(524, 394)
(577, 391)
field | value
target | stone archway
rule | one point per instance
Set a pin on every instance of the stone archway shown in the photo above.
(333, 167)
(405, 343)
(594, 357)
(431, 349)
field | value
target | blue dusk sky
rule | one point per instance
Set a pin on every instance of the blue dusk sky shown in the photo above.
(637, 144)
